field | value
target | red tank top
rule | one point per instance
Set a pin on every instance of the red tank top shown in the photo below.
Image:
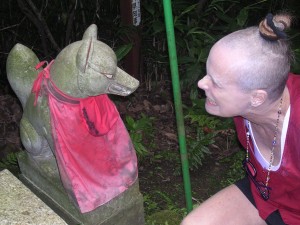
(285, 182)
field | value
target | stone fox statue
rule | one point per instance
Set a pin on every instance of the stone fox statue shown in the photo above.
(67, 116)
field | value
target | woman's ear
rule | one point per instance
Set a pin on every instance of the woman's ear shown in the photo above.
(258, 97)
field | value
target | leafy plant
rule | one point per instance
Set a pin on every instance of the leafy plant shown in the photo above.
(170, 205)
(198, 147)
(295, 39)
(122, 51)
(235, 170)
(197, 27)
(296, 65)
(141, 131)
(165, 217)
(161, 209)
(150, 205)
(202, 129)
(9, 161)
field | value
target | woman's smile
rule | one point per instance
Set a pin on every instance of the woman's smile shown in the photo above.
(209, 101)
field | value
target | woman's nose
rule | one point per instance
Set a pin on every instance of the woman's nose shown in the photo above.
(203, 83)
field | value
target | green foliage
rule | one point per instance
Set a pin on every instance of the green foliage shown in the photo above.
(198, 24)
(141, 131)
(296, 65)
(122, 51)
(201, 130)
(165, 217)
(10, 161)
(197, 27)
(198, 147)
(167, 200)
(47, 28)
(235, 170)
(197, 140)
(161, 209)
(295, 38)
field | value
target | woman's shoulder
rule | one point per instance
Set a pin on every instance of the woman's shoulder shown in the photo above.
(239, 123)
(293, 84)
(292, 77)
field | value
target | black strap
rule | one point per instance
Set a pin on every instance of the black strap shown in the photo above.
(280, 34)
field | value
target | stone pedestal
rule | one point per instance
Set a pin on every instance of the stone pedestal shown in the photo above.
(126, 209)
(20, 206)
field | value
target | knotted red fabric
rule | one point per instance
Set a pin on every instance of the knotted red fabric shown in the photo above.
(94, 153)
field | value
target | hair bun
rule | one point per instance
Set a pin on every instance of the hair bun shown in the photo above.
(273, 28)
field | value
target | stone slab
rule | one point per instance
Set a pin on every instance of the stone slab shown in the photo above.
(126, 209)
(20, 206)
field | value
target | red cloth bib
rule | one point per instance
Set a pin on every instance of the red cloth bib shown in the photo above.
(94, 152)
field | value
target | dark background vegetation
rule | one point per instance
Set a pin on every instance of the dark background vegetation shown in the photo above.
(47, 26)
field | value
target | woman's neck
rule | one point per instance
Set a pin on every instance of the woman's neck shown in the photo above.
(265, 116)
(267, 123)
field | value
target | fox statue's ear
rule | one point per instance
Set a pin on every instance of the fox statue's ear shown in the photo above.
(90, 33)
(84, 54)
(86, 49)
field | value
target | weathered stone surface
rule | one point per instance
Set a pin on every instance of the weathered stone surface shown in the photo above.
(83, 69)
(20, 206)
(126, 209)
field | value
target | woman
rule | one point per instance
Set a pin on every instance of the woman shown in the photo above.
(248, 78)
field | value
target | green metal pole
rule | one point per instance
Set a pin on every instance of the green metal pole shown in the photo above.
(178, 103)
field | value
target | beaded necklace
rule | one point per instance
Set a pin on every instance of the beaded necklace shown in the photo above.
(273, 144)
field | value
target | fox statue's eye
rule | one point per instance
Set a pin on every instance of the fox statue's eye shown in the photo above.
(109, 76)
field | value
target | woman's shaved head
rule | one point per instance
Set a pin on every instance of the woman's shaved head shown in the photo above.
(261, 57)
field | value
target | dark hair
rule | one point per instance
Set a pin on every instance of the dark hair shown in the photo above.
(273, 28)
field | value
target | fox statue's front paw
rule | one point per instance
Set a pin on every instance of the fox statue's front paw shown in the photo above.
(32, 141)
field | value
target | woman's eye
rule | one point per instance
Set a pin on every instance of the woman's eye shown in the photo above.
(213, 82)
